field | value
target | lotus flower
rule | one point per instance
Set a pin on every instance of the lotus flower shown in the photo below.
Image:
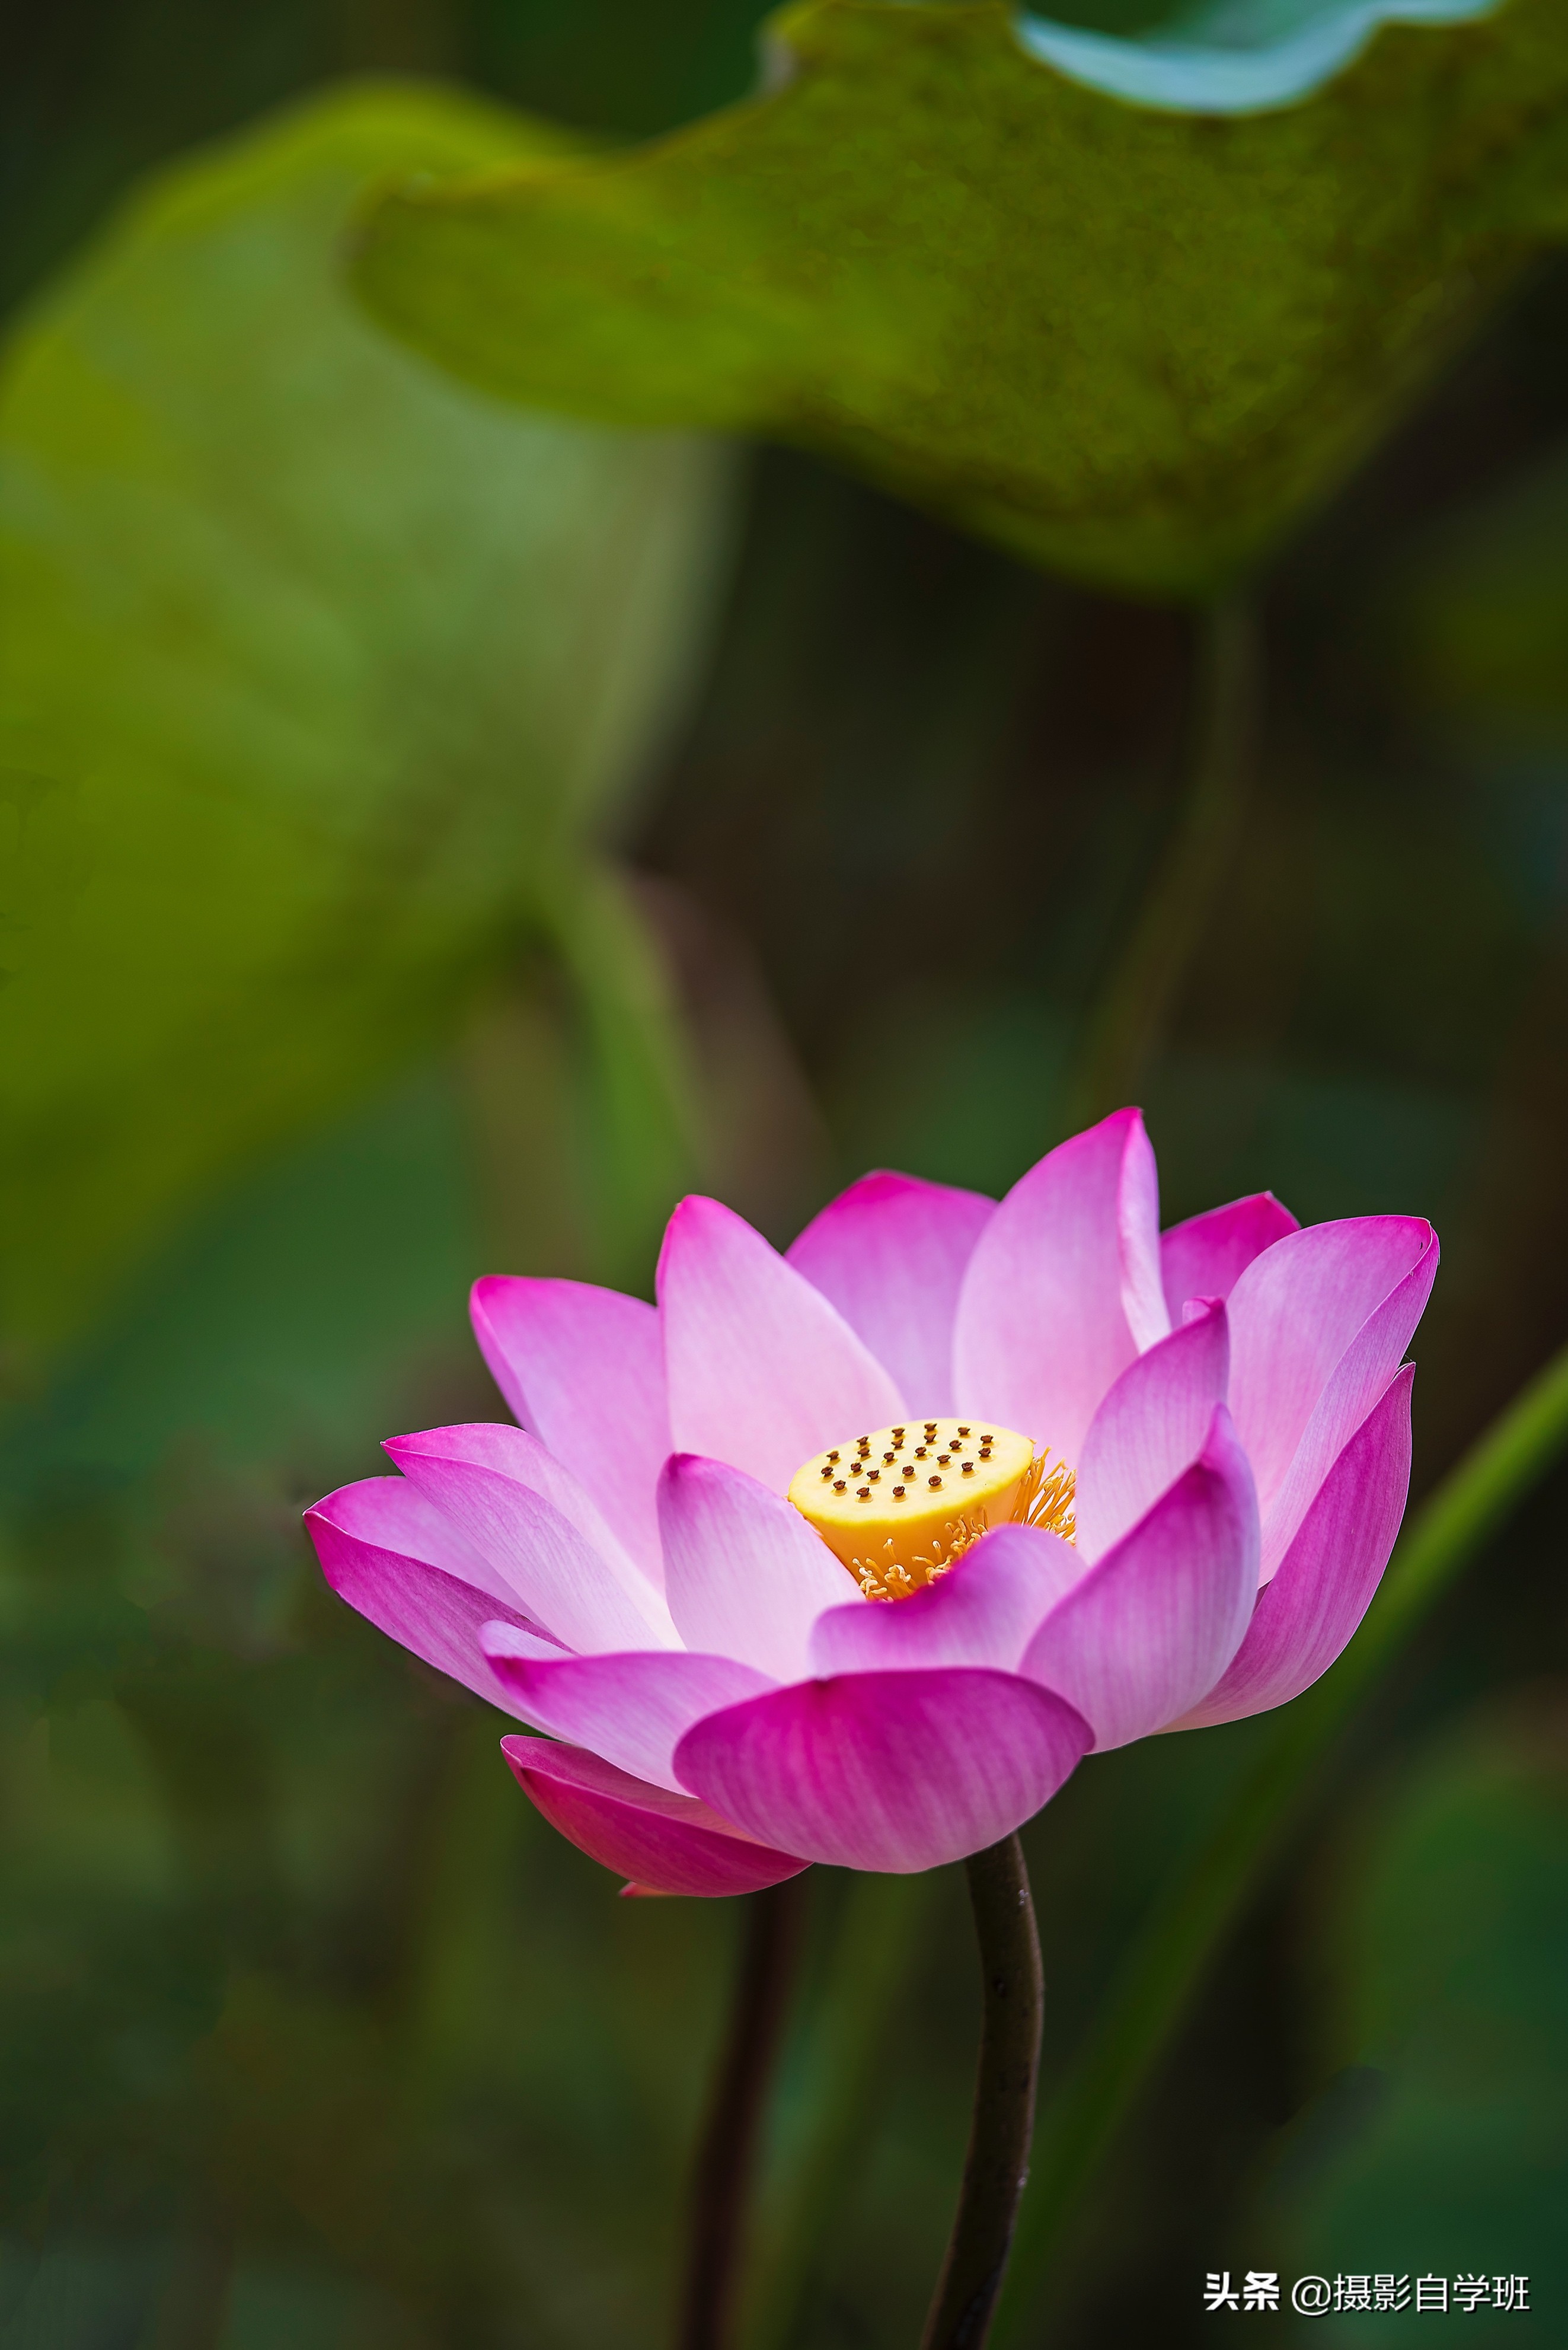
(850, 1555)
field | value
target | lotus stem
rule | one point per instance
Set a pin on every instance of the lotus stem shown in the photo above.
(879, 1937)
(1189, 1920)
(1130, 1021)
(727, 2154)
(997, 2163)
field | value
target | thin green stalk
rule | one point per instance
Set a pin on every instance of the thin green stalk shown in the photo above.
(997, 2163)
(1136, 1006)
(194, 2314)
(1191, 1919)
(872, 1955)
(726, 2157)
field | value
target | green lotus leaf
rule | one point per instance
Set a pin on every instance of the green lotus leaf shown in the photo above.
(320, 678)
(1219, 57)
(1125, 341)
(1441, 2147)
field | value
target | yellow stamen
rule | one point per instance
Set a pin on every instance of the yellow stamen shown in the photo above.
(905, 1525)
(1046, 1498)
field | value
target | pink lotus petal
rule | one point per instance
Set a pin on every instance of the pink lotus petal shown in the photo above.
(1137, 1235)
(1306, 1616)
(1359, 1380)
(762, 1371)
(890, 1253)
(514, 1453)
(983, 1611)
(632, 1710)
(478, 1476)
(1206, 1255)
(744, 1574)
(1153, 1423)
(663, 1843)
(391, 1514)
(894, 1771)
(1043, 1325)
(584, 1368)
(1295, 1312)
(1152, 1627)
(424, 1607)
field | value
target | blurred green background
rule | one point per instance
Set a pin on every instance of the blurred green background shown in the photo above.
(525, 824)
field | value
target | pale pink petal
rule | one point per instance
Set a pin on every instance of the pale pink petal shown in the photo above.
(1306, 1616)
(391, 1515)
(894, 1771)
(590, 1599)
(744, 1574)
(1295, 1312)
(983, 1611)
(1137, 1232)
(663, 1843)
(1359, 1378)
(514, 1453)
(424, 1607)
(584, 1368)
(890, 1253)
(632, 1710)
(1153, 1423)
(1152, 1627)
(1042, 1325)
(1206, 1255)
(762, 1371)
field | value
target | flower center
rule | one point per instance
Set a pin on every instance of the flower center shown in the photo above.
(900, 1505)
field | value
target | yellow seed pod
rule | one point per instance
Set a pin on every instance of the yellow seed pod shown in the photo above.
(900, 1503)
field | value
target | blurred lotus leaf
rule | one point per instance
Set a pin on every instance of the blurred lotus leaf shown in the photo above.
(319, 678)
(1441, 2147)
(1221, 56)
(1129, 342)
